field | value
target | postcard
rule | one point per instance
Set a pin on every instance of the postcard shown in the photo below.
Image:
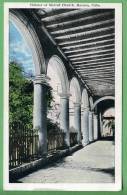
(62, 96)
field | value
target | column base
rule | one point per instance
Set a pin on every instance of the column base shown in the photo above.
(85, 144)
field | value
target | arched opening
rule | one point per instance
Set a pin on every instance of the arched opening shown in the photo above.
(31, 38)
(74, 98)
(85, 99)
(106, 120)
(24, 65)
(102, 99)
(21, 74)
(20, 51)
(58, 81)
(75, 108)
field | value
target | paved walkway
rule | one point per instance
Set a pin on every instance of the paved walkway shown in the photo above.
(92, 164)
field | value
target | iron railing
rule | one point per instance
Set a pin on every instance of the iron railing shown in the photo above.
(56, 141)
(23, 144)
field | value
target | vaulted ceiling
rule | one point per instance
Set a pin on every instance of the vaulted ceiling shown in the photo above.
(87, 39)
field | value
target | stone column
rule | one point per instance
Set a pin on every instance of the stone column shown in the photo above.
(101, 125)
(95, 127)
(85, 126)
(91, 126)
(40, 112)
(77, 121)
(64, 117)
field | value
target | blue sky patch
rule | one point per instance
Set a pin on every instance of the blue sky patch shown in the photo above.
(19, 51)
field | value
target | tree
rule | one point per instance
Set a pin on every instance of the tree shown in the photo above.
(20, 97)
(111, 125)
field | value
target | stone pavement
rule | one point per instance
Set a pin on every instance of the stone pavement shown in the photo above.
(92, 164)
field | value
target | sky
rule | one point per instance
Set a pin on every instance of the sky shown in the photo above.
(19, 51)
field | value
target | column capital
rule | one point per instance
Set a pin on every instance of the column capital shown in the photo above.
(64, 95)
(95, 115)
(91, 111)
(86, 108)
(76, 104)
(42, 79)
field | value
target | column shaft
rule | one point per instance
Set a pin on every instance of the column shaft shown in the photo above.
(91, 126)
(40, 115)
(64, 118)
(95, 127)
(101, 125)
(85, 127)
(77, 121)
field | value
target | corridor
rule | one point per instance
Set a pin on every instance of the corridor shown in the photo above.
(92, 164)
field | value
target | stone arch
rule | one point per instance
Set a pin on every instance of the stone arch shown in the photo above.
(102, 99)
(91, 102)
(75, 106)
(56, 64)
(85, 99)
(76, 90)
(31, 37)
(75, 98)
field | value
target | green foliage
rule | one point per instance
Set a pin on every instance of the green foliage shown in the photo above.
(110, 124)
(21, 101)
(49, 98)
(20, 97)
(53, 128)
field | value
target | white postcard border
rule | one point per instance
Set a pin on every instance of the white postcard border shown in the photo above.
(118, 103)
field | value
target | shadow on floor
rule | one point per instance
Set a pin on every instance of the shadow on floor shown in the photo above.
(108, 138)
(110, 170)
(15, 181)
(44, 166)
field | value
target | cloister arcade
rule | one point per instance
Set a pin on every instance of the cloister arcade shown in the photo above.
(79, 57)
